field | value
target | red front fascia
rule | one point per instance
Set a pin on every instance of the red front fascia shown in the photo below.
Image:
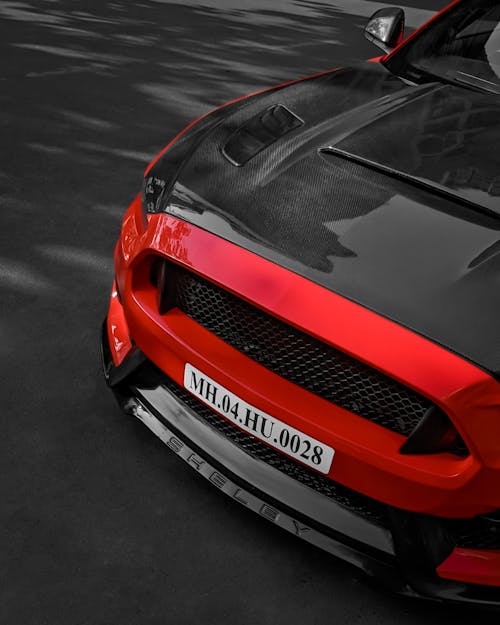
(367, 457)
(117, 328)
(473, 566)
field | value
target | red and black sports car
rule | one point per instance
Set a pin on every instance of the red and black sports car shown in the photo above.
(306, 299)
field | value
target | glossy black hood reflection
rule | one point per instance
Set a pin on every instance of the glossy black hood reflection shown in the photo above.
(450, 137)
(427, 262)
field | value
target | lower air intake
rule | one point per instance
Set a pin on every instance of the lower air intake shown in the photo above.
(353, 501)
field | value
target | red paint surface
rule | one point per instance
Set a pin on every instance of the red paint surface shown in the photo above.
(474, 566)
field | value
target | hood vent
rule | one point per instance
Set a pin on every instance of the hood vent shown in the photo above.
(260, 132)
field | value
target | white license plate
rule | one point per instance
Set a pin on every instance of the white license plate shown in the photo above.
(266, 428)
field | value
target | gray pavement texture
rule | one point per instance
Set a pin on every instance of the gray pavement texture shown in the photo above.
(99, 524)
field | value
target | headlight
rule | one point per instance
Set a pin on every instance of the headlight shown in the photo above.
(152, 191)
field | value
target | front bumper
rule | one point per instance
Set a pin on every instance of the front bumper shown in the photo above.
(403, 552)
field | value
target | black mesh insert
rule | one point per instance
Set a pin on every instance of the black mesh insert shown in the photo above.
(294, 355)
(360, 504)
(477, 533)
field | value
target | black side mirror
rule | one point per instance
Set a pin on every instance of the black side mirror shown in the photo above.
(386, 28)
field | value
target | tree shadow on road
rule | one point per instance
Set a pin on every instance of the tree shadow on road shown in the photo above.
(91, 91)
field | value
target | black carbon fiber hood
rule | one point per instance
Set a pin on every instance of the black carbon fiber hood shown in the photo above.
(427, 261)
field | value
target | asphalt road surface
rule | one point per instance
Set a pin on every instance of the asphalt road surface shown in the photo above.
(99, 524)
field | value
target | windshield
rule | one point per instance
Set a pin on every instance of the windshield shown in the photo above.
(462, 46)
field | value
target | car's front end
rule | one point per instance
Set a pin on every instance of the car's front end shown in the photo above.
(386, 512)
(313, 331)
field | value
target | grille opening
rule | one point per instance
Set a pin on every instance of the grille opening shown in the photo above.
(481, 532)
(294, 355)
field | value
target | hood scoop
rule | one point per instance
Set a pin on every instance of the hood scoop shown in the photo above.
(259, 132)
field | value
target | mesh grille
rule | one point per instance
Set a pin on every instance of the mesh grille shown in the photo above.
(295, 356)
(478, 533)
(353, 501)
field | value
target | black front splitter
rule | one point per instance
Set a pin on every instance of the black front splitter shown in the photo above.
(398, 558)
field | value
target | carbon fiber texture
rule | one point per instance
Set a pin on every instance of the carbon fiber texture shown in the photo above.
(409, 254)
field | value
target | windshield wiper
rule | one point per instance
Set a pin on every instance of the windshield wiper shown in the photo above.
(474, 81)
(452, 77)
